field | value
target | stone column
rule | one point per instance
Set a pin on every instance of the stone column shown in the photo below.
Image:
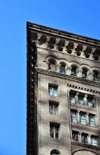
(89, 139)
(85, 99)
(79, 73)
(76, 98)
(87, 118)
(78, 116)
(80, 139)
(90, 76)
(96, 121)
(58, 67)
(69, 70)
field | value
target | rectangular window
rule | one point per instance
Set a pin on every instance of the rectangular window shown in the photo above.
(53, 108)
(72, 98)
(83, 118)
(53, 90)
(54, 131)
(94, 141)
(74, 116)
(81, 100)
(90, 102)
(73, 71)
(84, 138)
(92, 120)
(75, 135)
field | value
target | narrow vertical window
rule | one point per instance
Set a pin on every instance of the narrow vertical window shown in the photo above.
(74, 116)
(84, 138)
(92, 120)
(73, 70)
(62, 68)
(83, 118)
(52, 90)
(75, 135)
(90, 102)
(53, 108)
(54, 131)
(94, 141)
(72, 98)
(84, 73)
(81, 100)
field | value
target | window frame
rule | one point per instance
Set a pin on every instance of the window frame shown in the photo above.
(92, 122)
(94, 138)
(53, 104)
(54, 133)
(84, 120)
(73, 117)
(51, 90)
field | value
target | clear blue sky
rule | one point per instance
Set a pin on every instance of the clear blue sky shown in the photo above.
(76, 16)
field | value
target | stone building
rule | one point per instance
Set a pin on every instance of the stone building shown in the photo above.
(63, 93)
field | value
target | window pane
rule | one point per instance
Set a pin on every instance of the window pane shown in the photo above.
(55, 109)
(92, 121)
(62, 69)
(74, 117)
(81, 101)
(94, 141)
(72, 99)
(51, 109)
(50, 91)
(51, 132)
(83, 119)
(55, 91)
(90, 104)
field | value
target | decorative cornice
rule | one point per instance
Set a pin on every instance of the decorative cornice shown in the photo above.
(64, 42)
(70, 78)
(60, 33)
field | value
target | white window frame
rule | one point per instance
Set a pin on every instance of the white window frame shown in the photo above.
(53, 90)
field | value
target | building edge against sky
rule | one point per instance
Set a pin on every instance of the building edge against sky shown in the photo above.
(63, 92)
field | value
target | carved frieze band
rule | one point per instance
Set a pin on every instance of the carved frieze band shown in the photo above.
(71, 78)
(68, 46)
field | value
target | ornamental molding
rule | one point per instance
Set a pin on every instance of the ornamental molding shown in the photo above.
(64, 42)
(70, 78)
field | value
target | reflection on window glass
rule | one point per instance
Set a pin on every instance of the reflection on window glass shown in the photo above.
(74, 116)
(72, 98)
(92, 120)
(94, 141)
(53, 109)
(62, 69)
(54, 131)
(83, 119)
(90, 103)
(81, 100)
(53, 91)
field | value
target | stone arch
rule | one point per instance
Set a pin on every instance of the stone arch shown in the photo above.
(84, 152)
(55, 152)
(87, 67)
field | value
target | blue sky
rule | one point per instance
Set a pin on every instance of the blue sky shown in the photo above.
(80, 17)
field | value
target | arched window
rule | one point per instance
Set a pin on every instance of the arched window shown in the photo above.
(73, 70)
(52, 64)
(54, 152)
(62, 68)
(96, 76)
(84, 73)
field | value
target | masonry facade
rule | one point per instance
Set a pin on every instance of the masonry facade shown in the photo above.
(63, 93)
